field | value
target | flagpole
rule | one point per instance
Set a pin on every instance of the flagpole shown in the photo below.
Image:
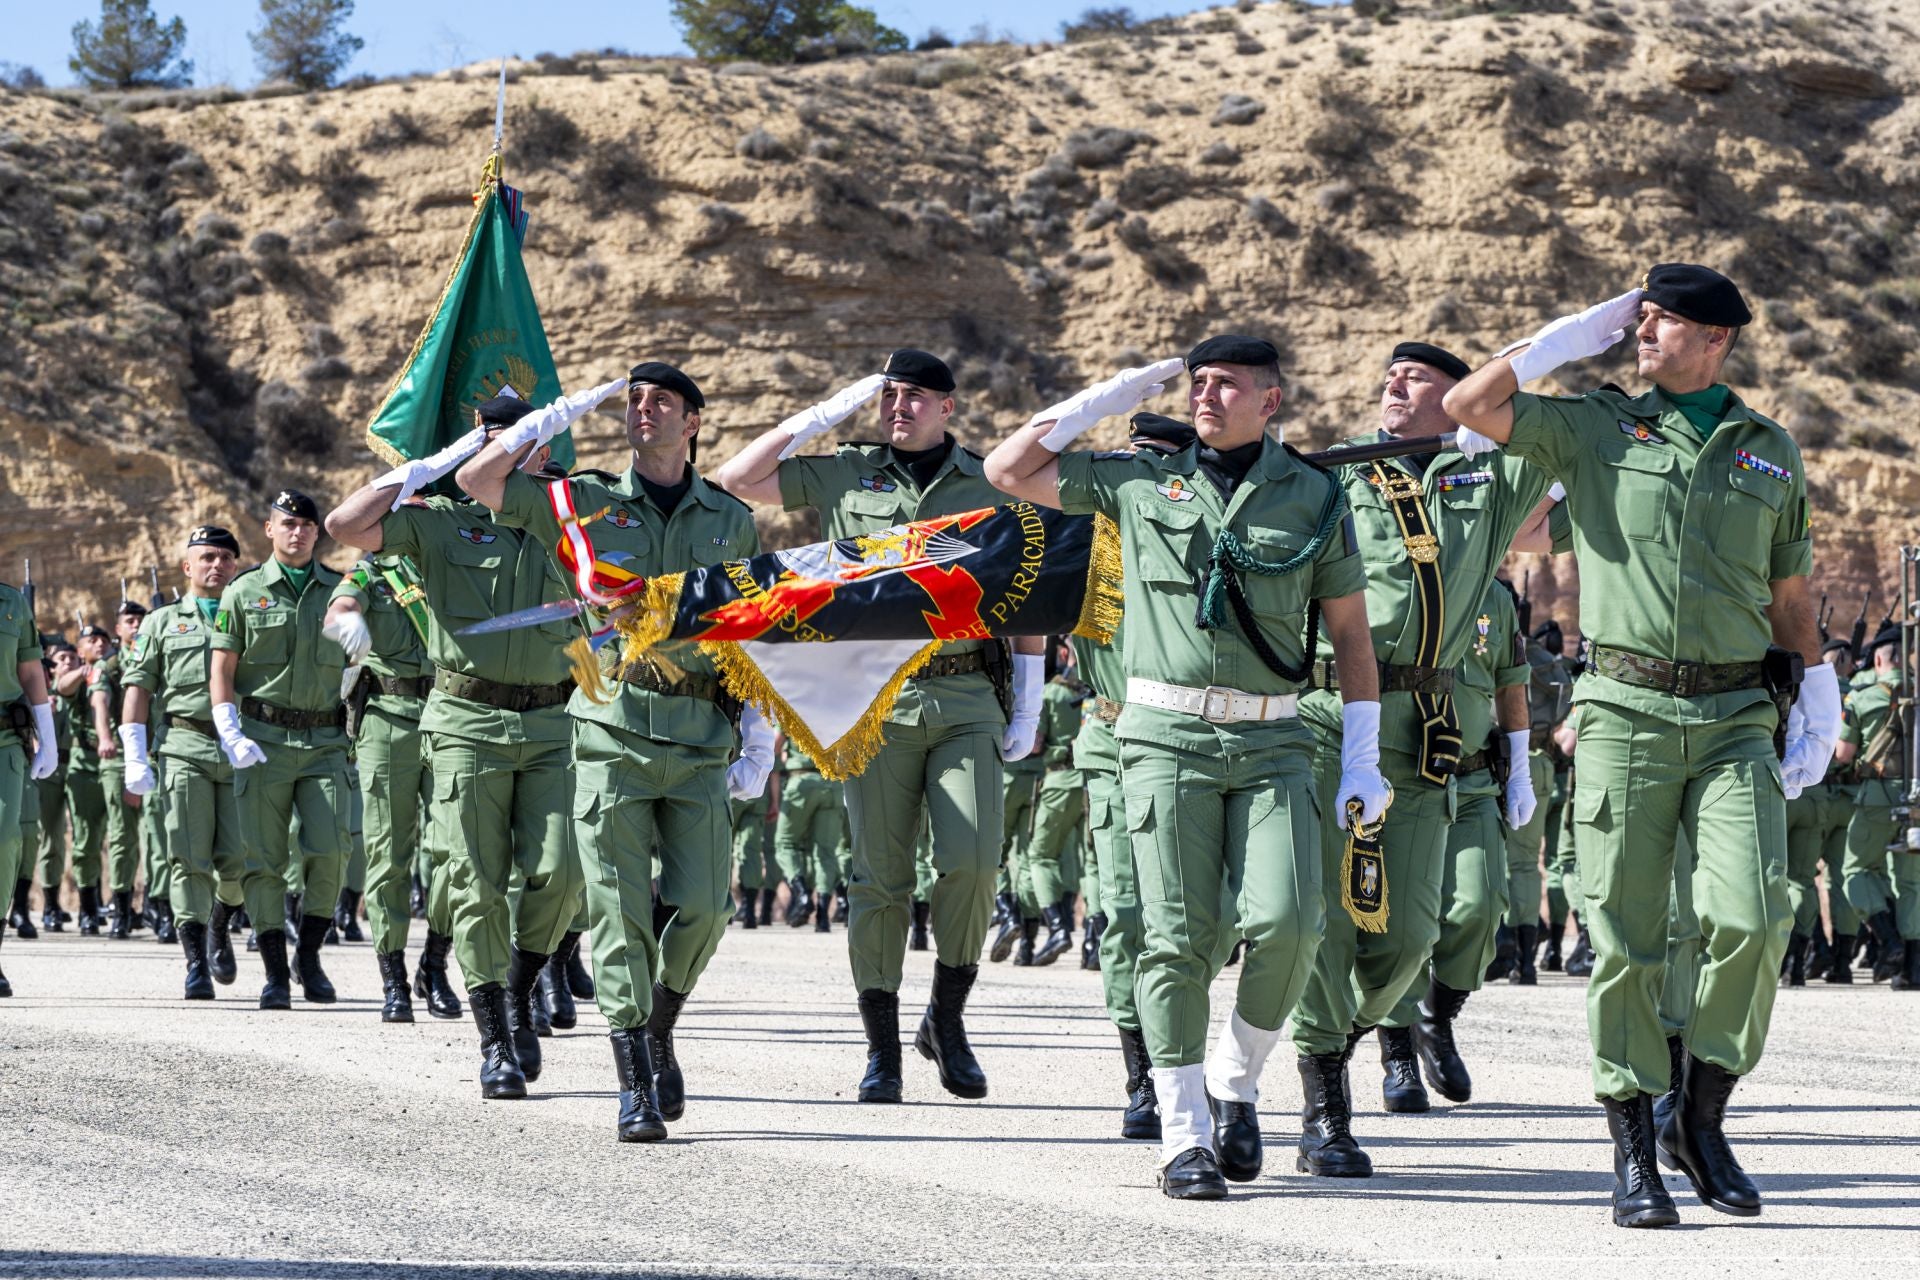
(1380, 450)
(500, 109)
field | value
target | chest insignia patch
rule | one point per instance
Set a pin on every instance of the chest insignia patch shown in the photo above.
(182, 628)
(1642, 432)
(476, 537)
(1482, 624)
(877, 484)
(1465, 479)
(264, 602)
(1752, 462)
(1175, 491)
(623, 518)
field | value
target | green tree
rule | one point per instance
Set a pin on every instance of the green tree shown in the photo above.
(301, 41)
(129, 49)
(780, 30)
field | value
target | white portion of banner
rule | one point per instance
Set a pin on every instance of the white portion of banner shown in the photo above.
(830, 686)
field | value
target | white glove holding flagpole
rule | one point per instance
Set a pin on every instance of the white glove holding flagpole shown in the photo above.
(1122, 393)
(747, 776)
(829, 413)
(133, 745)
(1576, 337)
(421, 472)
(542, 425)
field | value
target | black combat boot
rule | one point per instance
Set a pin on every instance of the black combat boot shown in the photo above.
(1237, 1148)
(743, 910)
(1640, 1198)
(1327, 1148)
(640, 1119)
(1892, 957)
(1433, 1038)
(579, 980)
(1551, 960)
(561, 1008)
(1090, 945)
(1794, 972)
(1524, 974)
(1023, 952)
(880, 1016)
(277, 993)
(669, 1085)
(500, 1073)
(840, 904)
(1820, 956)
(1400, 1090)
(1010, 925)
(193, 941)
(922, 916)
(537, 1003)
(346, 917)
(1840, 964)
(1002, 908)
(1908, 979)
(799, 903)
(430, 979)
(90, 913)
(943, 1031)
(417, 897)
(1239, 950)
(1194, 1174)
(1580, 959)
(1141, 1119)
(120, 920)
(163, 929)
(1694, 1141)
(523, 972)
(1664, 1103)
(21, 917)
(823, 914)
(293, 907)
(767, 895)
(220, 961)
(1059, 939)
(6, 988)
(1505, 952)
(398, 1005)
(314, 985)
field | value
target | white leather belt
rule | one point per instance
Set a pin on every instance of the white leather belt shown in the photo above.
(1216, 704)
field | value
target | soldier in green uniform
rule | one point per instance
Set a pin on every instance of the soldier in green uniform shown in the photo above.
(378, 615)
(1690, 522)
(1549, 699)
(48, 814)
(1018, 910)
(948, 733)
(122, 838)
(1059, 810)
(274, 679)
(172, 758)
(86, 799)
(28, 717)
(1882, 874)
(1227, 546)
(1493, 788)
(751, 851)
(651, 764)
(1817, 821)
(813, 819)
(497, 736)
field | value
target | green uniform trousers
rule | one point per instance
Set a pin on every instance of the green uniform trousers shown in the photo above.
(1686, 944)
(1021, 793)
(1089, 859)
(354, 878)
(1523, 849)
(1119, 896)
(1358, 977)
(200, 821)
(949, 776)
(122, 827)
(1562, 880)
(752, 866)
(1204, 829)
(634, 797)
(395, 788)
(305, 782)
(1473, 895)
(811, 826)
(1057, 815)
(501, 808)
(923, 876)
(1879, 879)
(1646, 783)
(155, 862)
(1817, 821)
(87, 819)
(13, 786)
(48, 816)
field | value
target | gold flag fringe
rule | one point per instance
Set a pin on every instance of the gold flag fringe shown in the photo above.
(1101, 606)
(586, 671)
(648, 620)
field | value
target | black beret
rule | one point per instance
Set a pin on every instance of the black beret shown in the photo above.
(1836, 644)
(1699, 294)
(502, 411)
(1889, 634)
(1232, 348)
(95, 629)
(1428, 354)
(1549, 628)
(921, 369)
(296, 504)
(212, 535)
(662, 374)
(1154, 426)
(130, 609)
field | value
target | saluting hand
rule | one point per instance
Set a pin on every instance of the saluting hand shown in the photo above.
(1122, 393)
(829, 413)
(1576, 337)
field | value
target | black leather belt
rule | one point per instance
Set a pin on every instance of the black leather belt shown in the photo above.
(507, 697)
(1681, 679)
(1394, 678)
(682, 684)
(202, 727)
(288, 718)
(404, 686)
(953, 664)
(1473, 764)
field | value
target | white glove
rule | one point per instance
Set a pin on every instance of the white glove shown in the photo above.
(542, 425)
(1360, 777)
(1812, 729)
(829, 413)
(1122, 393)
(133, 747)
(348, 629)
(1029, 673)
(1472, 443)
(1576, 337)
(241, 751)
(747, 776)
(421, 472)
(1521, 802)
(46, 744)
(1557, 491)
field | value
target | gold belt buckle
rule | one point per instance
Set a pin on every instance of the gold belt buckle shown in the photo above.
(1423, 547)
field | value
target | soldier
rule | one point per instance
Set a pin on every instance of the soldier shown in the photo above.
(1059, 810)
(1015, 906)
(23, 695)
(1549, 699)
(496, 732)
(813, 819)
(1817, 821)
(1682, 484)
(104, 698)
(166, 708)
(47, 815)
(1492, 785)
(1228, 548)
(751, 850)
(1882, 875)
(86, 799)
(378, 614)
(652, 764)
(949, 732)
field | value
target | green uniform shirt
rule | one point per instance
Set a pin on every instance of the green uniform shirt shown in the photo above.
(1169, 515)
(1494, 661)
(1679, 535)
(864, 487)
(1059, 722)
(284, 661)
(707, 526)
(1865, 710)
(398, 652)
(19, 642)
(105, 678)
(474, 568)
(169, 659)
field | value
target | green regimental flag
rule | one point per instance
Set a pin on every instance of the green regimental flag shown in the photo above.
(483, 337)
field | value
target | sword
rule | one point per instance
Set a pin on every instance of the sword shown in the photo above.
(552, 611)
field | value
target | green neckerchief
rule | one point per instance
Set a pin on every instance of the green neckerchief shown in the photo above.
(208, 606)
(1703, 409)
(297, 578)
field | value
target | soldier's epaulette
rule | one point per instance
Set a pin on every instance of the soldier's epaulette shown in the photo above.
(596, 473)
(858, 445)
(1108, 455)
(250, 568)
(722, 493)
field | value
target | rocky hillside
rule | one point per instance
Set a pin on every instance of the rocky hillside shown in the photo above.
(205, 294)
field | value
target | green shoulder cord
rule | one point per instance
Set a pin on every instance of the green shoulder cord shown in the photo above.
(1230, 558)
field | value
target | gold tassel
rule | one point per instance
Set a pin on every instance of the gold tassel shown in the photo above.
(1364, 897)
(649, 619)
(856, 748)
(1101, 606)
(586, 671)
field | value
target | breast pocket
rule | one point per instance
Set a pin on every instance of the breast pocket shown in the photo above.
(184, 661)
(866, 512)
(1169, 545)
(1464, 505)
(1282, 596)
(269, 637)
(1642, 482)
(1749, 517)
(468, 592)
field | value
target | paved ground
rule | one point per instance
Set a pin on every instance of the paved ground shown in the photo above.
(140, 1135)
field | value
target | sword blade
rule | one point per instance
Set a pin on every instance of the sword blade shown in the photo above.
(533, 617)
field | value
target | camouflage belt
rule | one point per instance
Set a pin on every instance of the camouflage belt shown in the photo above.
(404, 686)
(1394, 678)
(953, 664)
(1106, 710)
(291, 718)
(202, 727)
(1681, 679)
(507, 697)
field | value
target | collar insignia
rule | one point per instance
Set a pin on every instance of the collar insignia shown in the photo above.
(1753, 462)
(476, 537)
(1642, 432)
(877, 484)
(1175, 490)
